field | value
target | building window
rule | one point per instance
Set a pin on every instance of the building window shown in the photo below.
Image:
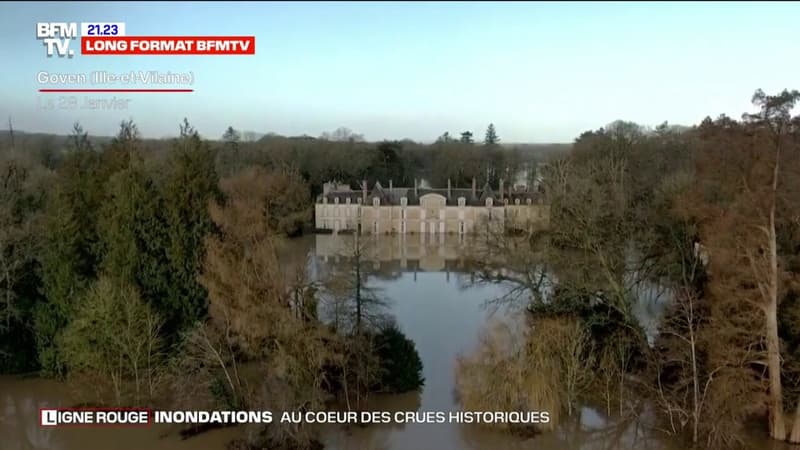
(516, 201)
(359, 200)
(462, 201)
(403, 214)
(336, 200)
(375, 227)
(403, 227)
(528, 201)
(347, 200)
(376, 201)
(461, 227)
(403, 201)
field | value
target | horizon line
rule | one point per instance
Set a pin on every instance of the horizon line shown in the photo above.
(276, 135)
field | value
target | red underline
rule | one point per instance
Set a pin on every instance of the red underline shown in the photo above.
(114, 90)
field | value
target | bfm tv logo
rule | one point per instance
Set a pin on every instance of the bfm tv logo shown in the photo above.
(65, 32)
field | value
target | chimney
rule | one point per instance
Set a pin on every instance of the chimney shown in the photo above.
(363, 192)
(415, 187)
(501, 190)
(448, 189)
(474, 188)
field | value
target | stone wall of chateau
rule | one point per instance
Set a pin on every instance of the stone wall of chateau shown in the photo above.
(432, 215)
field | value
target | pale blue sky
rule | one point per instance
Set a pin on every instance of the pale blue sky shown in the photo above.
(542, 72)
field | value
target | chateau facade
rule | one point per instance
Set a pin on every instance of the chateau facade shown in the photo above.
(403, 210)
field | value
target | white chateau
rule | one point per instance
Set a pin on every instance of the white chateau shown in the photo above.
(404, 210)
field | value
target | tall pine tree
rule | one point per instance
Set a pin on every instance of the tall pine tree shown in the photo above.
(69, 258)
(491, 138)
(192, 184)
(132, 226)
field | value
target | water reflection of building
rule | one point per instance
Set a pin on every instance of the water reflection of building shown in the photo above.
(401, 253)
(403, 210)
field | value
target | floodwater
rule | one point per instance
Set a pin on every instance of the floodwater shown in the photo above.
(431, 299)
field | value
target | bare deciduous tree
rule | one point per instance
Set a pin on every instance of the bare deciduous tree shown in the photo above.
(744, 172)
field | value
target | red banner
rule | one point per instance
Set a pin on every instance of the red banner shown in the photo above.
(168, 45)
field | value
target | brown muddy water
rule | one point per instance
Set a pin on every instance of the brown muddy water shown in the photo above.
(432, 300)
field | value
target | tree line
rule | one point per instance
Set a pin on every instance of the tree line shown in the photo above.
(341, 155)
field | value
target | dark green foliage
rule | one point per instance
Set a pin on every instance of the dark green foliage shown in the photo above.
(387, 164)
(401, 366)
(351, 161)
(70, 256)
(21, 199)
(74, 249)
(122, 150)
(601, 320)
(133, 234)
(191, 185)
(228, 158)
(491, 136)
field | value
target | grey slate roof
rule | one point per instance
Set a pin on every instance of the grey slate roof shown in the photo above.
(392, 196)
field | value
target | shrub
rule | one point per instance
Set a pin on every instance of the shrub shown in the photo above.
(401, 366)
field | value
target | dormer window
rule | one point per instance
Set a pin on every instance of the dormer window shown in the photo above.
(505, 201)
(528, 201)
(403, 201)
(347, 200)
(489, 202)
(359, 200)
(462, 201)
(516, 201)
(376, 201)
(336, 200)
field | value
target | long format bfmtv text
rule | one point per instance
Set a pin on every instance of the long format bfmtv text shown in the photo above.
(168, 45)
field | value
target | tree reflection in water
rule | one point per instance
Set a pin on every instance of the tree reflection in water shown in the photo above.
(19, 425)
